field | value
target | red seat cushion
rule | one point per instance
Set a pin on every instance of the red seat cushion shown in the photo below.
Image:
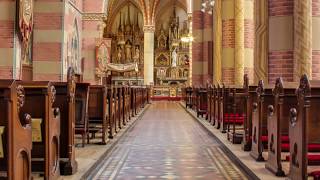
(315, 175)
(285, 139)
(314, 147)
(313, 159)
(311, 147)
(233, 118)
(285, 147)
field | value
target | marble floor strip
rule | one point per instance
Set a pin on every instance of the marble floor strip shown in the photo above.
(167, 144)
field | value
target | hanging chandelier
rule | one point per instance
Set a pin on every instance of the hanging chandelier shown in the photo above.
(207, 6)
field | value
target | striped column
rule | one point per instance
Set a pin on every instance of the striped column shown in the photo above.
(315, 39)
(261, 41)
(280, 40)
(7, 52)
(92, 28)
(217, 38)
(228, 41)
(249, 39)
(302, 38)
(197, 44)
(48, 40)
(148, 55)
(207, 64)
(239, 42)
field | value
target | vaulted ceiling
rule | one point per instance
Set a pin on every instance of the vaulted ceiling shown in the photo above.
(149, 8)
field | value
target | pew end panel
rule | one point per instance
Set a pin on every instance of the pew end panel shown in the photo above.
(16, 133)
(98, 111)
(278, 124)
(304, 129)
(39, 102)
(264, 98)
(81, 110)
(65, 100)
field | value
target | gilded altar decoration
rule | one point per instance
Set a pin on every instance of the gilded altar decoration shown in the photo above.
(25, 19)
(172, 58)
(127, 46)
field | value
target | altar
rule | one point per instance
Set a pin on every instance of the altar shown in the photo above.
(172, 57)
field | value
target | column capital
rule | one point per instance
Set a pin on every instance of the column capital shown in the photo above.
(149, 28)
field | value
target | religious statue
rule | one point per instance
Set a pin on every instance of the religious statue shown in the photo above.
(162, 38)
(186, 60)
(128, 51)
(119, 54)
(136, 55)
(103, 56)
(174, 58)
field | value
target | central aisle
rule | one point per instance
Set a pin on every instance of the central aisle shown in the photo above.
(167, 144)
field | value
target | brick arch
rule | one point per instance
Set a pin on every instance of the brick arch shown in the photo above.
(163, 9)
(112, 15)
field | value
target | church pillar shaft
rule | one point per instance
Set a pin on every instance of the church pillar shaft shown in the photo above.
(302, 38)
(239, 41)
(148, 54)
(217, 45)
(261, 41)
(315, 39)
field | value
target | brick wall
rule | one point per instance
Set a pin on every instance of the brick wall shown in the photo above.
(228, 33)
(281, 65)
(7, 9)
(280, 40)
(280, 7)
(228, 75)
(315, 38)
(48, 23)
(249, 33)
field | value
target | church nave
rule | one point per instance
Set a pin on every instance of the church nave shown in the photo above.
(167, 143)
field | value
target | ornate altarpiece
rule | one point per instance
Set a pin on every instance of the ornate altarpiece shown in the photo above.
(127, 48)
(171, 58)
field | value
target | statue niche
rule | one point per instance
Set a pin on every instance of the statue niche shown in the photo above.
(162, 39)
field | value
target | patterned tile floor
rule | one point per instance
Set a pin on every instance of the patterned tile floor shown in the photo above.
(167, 144)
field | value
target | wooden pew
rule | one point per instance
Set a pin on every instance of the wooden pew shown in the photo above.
(65, 100)
(201, 102)
(219, 108)
(226, 107)
(278, 123)
(120, 107)
(235, 119)
(212, 105)
(250, 92)
(39, 102)
(112, 112)
(81, 117)
(125, 105)
(264, 98)
(128, 103)
(117, 98)
(194, 98)
(209, 102)
(303, 130)
(98, 109)
(15, 160)
(133, 100)
(237, 97)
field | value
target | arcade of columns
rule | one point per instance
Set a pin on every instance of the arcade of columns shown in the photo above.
(265, 39)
